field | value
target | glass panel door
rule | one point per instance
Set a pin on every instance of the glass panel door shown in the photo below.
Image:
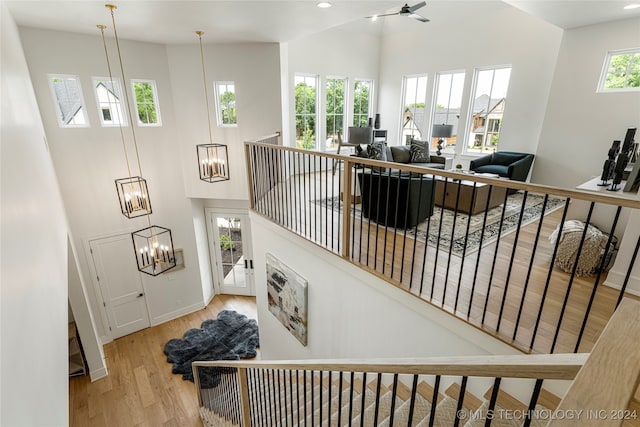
(233, 263)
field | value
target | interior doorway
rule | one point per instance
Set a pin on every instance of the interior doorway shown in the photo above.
(230, 248)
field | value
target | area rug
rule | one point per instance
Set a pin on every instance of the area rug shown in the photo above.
(492, 230)
(231, 336)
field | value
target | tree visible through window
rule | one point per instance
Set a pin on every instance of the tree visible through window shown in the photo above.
(487, 108)
(621, 71)
(305, 103)
(146, 102)
(361, 102)
(226, 103)
(335, 110)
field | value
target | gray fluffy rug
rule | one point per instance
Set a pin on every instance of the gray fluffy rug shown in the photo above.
(231, 336)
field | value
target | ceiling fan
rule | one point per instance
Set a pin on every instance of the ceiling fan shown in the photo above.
(408, 11)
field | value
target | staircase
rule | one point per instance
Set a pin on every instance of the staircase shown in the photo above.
(522, 390)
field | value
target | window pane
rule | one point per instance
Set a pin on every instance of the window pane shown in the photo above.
(146, 102)
(622, 71)
(361, 101)
(69, 104)
(489, 99)
(414, 116)
(226, 103)
(305, 105)
(109, 96)
(335, 110)
(446, 110)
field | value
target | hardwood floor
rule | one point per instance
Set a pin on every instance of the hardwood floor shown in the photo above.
(140, 389)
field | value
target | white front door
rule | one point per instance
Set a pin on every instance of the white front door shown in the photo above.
(229, 235)
(120, 284)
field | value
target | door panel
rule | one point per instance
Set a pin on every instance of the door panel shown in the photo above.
(233, 260)
(120, 284)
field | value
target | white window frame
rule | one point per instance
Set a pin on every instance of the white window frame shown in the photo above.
(56, 106)
(434, 103)
(156, 102)
(345, 109)
(123, 115)
(605, 71)
(317, 108)
(403, 102)
(216, 88)
(371, 93)
(472, 97)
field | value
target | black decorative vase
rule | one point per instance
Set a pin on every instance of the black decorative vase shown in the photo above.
(370, 121)
(376, 124)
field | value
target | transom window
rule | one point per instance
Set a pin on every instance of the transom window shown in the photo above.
(488, 102)
(335, 110)
(226, 104)
(68, 100)
(621, 71)
(362, 99)
(306, 88)
(148, 111)
(414, 115)
(447, 103)
(109, 98)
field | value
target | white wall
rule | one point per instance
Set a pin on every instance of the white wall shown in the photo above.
(34, 301)
(484, 34)
(338, 52)
(580, 124)
(255, 70)
(353, 314)
(88, 160)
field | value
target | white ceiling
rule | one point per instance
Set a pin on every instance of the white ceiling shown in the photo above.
(171, 22)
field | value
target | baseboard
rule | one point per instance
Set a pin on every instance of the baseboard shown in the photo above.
(178, 313)
(213, 295)
(614, 280)
(105, 339)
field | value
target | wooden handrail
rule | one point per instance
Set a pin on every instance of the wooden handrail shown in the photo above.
(608, 380)
(610, 199)
(548, 366)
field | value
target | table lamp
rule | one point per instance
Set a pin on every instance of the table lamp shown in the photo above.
(441, 131)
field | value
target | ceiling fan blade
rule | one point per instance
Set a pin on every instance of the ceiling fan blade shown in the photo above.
(380, 16)
(418, 17)
(417, 6)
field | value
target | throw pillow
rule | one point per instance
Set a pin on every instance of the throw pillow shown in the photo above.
(377, 151)
(420, 151)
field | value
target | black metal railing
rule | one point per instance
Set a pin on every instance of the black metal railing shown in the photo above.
(475, 246)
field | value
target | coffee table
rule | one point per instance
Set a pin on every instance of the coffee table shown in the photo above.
(466, 191)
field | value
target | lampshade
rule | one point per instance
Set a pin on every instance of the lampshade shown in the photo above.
(442, 131)
(154, 250)
(134, 196)
(213, 160)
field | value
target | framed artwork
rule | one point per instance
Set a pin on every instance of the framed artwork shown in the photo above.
(287, 297)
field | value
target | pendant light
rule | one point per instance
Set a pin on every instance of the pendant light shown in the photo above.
(153, 245)
(213, 159)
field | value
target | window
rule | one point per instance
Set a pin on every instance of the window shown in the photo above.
(306, 88)
(109, 96)
(446, 109)
(414, 116)
(335, 110)
(362, 99)
(68, 100)
(146, 102)
(621, 71)
(487, 107)
(226, 104)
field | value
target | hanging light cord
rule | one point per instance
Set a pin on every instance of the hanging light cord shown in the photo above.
(106, 54)
(126, 94)
(204, 81)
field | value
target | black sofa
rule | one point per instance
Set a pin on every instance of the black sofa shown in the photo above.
(399, 201)
(507, 164)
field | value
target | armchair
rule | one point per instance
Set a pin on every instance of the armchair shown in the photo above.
(507, 164)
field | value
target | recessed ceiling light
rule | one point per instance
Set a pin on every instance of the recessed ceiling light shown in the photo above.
(323, 5)
(632, 6)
